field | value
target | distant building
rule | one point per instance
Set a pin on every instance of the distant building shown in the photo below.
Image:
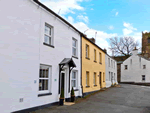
(135, 69)
(111, 71)
(146, 44)
(119, 60)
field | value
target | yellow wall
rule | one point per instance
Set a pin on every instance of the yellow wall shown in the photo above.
(91, 66)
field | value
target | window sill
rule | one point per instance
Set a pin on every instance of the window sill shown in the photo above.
(45, 94)
(49, 45)
(76, 89)
(87, 86)
(95, 85)
(95, 61)
(75, 57)
(87, 58)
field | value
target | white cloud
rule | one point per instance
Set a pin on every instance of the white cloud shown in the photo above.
(100, 37)
(128, 29)
(92, 9)
(111, 27)
(84, 18)
(66, 6)
(117, 13)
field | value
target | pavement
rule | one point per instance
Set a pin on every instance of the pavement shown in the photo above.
(123, 99)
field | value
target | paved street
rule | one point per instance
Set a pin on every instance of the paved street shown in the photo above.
(124, 99)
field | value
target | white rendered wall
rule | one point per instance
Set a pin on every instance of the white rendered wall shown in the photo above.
(22, 51)
(110, 69)
(135, 70)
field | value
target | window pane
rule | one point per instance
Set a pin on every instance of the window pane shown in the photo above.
(74, 43)
(73, 83)
(74, 51)
(40, 85)
(46, 74)
(46, 85)
(74, 75)
(47, 30)
(46, 39)
(41, 72)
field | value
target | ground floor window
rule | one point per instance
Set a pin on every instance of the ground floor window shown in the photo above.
(74, 79)
(87, 79)
(109, 77)
(143, 77)
(103, 77)
(94, 78)
(44, 78)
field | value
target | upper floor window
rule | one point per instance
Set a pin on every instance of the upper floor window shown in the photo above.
(48, 34)
(144, 66)
(109, 62)
(74, 79)
(148, 39)
(130, 61)
(100, 58)
(94, 55)
(44, 79)
(125, 67)
(74, 47)
(87, 51)
(114, 64)
(94, 79)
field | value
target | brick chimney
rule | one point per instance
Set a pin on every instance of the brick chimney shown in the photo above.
(92, 39)
(105, 50)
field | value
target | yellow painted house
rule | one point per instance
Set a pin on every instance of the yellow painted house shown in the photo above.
(93, 66)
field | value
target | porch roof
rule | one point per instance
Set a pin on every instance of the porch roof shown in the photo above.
(68, 61)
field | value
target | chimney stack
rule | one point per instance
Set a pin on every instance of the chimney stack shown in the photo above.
(92, 39)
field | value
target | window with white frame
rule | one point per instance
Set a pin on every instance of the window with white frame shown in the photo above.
(44, 78)
(143, 77)
(48, 34)
(87, 51)
(87, 78)
(74, 79)
(74, 47)
(109, 62)
(109, 77)
(94, 78)
(144, 66)
(94, 55)
(114, 64)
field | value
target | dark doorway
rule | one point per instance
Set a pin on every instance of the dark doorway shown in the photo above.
(63, 81)
(100, 79)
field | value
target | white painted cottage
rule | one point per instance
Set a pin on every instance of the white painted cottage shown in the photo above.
(135, 69)
(39, 55)
(111, 71)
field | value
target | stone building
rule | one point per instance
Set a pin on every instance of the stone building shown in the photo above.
(146, 44)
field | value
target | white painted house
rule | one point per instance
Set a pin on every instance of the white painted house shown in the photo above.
(39, 52)
(135, 69)
(111, 71)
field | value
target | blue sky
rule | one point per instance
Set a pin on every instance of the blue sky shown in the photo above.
(109, 18)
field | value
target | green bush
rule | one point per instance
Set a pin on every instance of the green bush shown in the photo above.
(72, 91)
(62, 93)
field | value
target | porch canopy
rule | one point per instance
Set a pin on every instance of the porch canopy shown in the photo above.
(71, 64)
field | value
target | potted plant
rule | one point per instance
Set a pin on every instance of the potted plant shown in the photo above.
(72, 95)
(61, 99)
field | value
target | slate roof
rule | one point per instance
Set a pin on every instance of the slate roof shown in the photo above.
(67, 61)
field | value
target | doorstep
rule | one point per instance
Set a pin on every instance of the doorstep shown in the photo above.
(69, 103)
